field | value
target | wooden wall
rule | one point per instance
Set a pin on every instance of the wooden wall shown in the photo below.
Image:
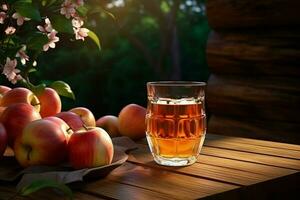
(254, 57)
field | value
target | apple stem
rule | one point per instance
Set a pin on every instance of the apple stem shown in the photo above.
(28, 153)
(85, 127)
(36, 104)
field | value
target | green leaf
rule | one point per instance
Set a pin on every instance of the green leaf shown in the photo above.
(63, 89)
(82, 10)
(51, 2)
(32, 70)
(8, 41)
(23, 1)
(62, 24)
(41, 184)
(48, 2)
(37, 41)
(26, 9)
(95, 38)
(38, 89)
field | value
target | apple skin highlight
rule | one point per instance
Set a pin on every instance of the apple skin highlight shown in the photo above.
(90, 148)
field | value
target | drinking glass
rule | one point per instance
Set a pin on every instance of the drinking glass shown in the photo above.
(176, 121)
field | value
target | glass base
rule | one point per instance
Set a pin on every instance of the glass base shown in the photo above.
(176, 162)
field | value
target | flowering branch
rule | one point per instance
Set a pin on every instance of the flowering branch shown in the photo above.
(26, 32)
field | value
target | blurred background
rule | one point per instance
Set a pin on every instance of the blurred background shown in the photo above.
(147, 41)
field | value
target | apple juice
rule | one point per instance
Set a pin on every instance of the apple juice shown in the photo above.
(175, 129)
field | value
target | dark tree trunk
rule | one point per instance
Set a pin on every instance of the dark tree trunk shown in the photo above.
(175, 55)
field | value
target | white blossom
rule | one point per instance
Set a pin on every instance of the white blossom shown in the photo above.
(2, 17)
(68, 9)
(10, 70)
(47, 28)
(77, 22)
(10, 30)
(34, 64)
(22, 55)
(52, 40)
(4, 7)
(20, 19)
(80, 33)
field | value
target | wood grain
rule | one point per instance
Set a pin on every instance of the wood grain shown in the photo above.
(256, 98)
(254, 53)
(117, 190)
(210, 170)
(263, 143)
(273, 151)
(256, 168)
(226, 14)
(252, 157)
(250, 127)
(166, 182)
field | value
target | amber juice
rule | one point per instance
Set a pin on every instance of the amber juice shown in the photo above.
(176, 129)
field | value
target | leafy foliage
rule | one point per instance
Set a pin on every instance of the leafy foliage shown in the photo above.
(29, 28)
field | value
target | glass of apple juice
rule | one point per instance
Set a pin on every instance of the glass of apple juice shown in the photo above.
(176, 121)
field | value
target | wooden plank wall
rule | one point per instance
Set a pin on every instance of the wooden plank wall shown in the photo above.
(254, 57)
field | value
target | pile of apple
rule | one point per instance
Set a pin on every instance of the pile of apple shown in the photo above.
(39, 133)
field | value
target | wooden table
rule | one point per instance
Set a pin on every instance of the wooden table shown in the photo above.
(228, 168)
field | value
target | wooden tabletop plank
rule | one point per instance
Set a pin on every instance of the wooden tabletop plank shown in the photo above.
(204, 170)
(227, 143)
(283, 162)
(165, 182)
(256, 142)
(226, 165)
(116, 190)
(83, 196)
(252, 157)
(256, 168)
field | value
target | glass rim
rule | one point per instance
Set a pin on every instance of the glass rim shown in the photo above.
(176, 83)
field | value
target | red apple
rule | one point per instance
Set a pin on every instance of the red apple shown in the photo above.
(3, 140)
(63, 125)
(15, 117)
(43, 142)
(4, 89)
(85, 114)
(1, 110)
(132, 121)
(110, 124)
(20, 95)
(50, 102)
(72, 119)
(90, 148)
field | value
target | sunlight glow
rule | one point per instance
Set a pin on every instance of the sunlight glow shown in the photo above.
(116, 3)
(193, 6)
